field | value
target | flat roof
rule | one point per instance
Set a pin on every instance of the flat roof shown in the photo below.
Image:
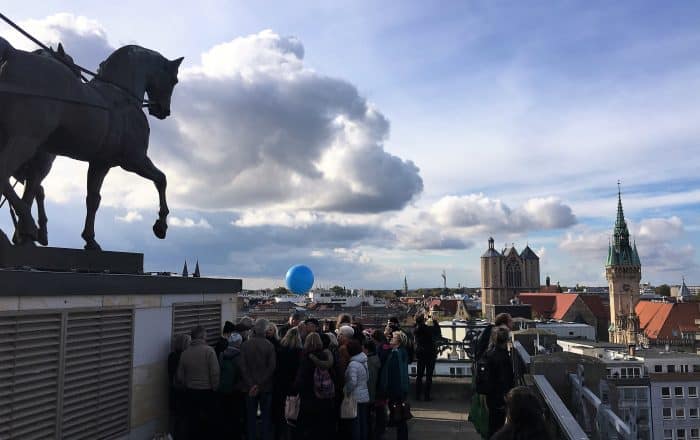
(38, 283)
(651, 353)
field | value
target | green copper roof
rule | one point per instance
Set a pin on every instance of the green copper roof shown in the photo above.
(620, 253)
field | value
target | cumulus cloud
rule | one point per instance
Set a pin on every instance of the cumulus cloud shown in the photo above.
(83, 38)
(130, 217)
(254, 126)
(188, 223)
(477, 210)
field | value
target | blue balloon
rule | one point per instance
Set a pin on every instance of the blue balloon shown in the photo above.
(299, 279)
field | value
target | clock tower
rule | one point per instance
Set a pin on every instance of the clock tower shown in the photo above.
(623, 271)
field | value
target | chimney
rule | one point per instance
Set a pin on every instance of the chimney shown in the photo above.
(632, 349)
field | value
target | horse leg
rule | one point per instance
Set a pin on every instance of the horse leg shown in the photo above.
(96, 176)
(18, 150)
(43, 220)
(147, 170)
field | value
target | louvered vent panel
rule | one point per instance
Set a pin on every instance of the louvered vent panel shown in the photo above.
(189, 315)
(97, 374)
(30, 346)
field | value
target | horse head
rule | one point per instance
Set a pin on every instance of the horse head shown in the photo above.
(139, 70)
(159, 87)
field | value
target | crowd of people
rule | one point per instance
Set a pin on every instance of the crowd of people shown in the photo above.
(310, 378)
(303, 378)
(514, 412)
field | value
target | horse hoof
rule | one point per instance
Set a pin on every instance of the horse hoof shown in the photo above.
(160, 227)
(43, 238)
(92, 246)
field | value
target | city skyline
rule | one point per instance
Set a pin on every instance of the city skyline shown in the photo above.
(377, 142)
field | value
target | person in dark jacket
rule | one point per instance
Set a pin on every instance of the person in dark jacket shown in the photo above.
(294, 320)
(484, 342)
(526, 420)
(231, 400)
(316, 414)
(177, 397)
(222, 342)
(426, 353)
(288, 359)
(374, 365)
(500, 379)
(393, 381)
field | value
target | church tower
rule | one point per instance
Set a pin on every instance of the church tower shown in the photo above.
(623, 271)
(506, 274)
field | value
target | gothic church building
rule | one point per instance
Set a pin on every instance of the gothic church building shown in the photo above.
(506, 274)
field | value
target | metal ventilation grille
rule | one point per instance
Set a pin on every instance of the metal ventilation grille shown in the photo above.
(189, 315)
(97, 377)
(30, 348)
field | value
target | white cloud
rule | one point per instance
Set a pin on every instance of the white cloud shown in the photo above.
(477, 210)
(130, 217)
(188, 223)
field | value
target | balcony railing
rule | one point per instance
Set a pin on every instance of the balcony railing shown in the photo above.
(565, 427)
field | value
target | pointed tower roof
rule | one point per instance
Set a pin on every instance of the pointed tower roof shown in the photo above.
(185, 273)
(196, 273)
(620, 252)
(528, 254)
(491, 251)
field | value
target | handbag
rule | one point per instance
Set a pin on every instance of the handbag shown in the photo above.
(291, 408)
(399, 411)
(348, 408)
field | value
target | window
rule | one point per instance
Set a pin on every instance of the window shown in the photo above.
(668, 434)
(694, 434)
(692, 391)
(683, 368)
(670, 368)
(692, 413)
(413, 370)
(680, 434)
(696, 368)
(666, 413)
(658, 369)
(678, 391)
(665, 392)
(680, 413)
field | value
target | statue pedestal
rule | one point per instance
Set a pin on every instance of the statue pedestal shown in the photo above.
(67, 260)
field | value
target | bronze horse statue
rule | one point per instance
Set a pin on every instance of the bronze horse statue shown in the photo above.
(46, 110)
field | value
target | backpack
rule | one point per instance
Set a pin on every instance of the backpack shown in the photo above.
(323, 384)
(482, 381)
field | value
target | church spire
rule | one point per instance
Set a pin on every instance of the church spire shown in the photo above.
(622, 234)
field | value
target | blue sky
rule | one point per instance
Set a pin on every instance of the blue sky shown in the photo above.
(376, 140)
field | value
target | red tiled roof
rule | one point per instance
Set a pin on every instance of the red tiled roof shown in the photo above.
(660, 320)
(549, 305)
(595, 303)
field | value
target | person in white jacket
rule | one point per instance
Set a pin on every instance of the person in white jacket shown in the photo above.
(356, 378)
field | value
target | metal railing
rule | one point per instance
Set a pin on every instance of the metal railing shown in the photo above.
(566, 426)
(596, 416)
